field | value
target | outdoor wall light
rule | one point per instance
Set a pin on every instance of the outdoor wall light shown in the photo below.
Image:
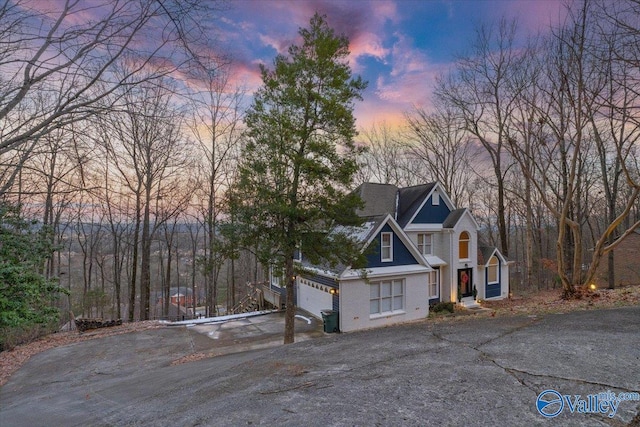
(333, 291)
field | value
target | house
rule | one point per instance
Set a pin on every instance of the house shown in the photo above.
(625, 263)
(180, 296)
(420, 250)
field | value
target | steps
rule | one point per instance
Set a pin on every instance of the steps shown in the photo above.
(469, 302)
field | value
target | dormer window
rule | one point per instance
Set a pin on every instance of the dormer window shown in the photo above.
(386, 247)
(435, 199)
(463, 247)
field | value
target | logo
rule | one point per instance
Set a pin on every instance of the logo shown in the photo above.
(549, 403)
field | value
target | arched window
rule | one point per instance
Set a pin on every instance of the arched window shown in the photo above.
(463, 247)
(492, 270)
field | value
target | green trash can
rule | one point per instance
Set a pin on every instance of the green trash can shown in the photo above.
(330, 320)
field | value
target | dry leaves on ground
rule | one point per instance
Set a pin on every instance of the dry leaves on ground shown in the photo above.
(537, 303)
(551, 301)
(11, 361)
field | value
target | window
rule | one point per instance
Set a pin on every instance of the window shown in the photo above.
(434, 284)
(425, 244)
(435, 199)
(386, 297)
(386, 246)
(492, 270)
(277, 277)
(463, 247)
(276, 281)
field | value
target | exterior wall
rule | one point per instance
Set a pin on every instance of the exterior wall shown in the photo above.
(314, 297)
(503, 283)
(430, 214)
(492, 290)
(444, 251)
(465, 224)
(625, 261)
(401, 254)
(355, 296)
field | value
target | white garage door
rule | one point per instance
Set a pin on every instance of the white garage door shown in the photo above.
(314, 297)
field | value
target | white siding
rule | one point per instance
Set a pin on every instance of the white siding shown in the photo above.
(314, 297)
(354, 303)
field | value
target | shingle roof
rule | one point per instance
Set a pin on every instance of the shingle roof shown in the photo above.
(484, 253)
(453, 218)
(361, 234)
(410, 199)
(379, 199)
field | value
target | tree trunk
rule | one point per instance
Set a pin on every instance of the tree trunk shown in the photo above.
(145, 266)
(290, 312)
(134, 263)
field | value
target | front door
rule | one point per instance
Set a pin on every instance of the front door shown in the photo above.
(465, 286)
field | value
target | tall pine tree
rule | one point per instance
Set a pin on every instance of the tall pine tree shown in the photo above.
(299, 160)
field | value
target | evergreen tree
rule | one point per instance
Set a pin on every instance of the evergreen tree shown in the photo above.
(300, 159)
(26, 296)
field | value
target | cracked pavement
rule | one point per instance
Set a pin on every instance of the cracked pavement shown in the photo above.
(464, 371)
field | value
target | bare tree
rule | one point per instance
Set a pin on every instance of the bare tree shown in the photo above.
(58, 60)
(439, 141)
(215, 125)
(580, 139)
(148, 153)
(384, 157)
(481, 91)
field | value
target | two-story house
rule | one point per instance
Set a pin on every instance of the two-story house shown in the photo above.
(420, 250)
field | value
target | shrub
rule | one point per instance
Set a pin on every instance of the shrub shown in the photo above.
(443, 306)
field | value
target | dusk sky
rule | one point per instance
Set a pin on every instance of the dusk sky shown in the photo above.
(399, 46)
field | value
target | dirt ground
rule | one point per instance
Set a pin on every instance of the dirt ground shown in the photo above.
(536, 303)
(11, 361)
(551, 301)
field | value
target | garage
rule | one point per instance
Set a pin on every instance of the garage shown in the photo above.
(314, 297)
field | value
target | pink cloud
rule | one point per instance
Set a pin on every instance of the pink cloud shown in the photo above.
(372, 113)
(536, 15)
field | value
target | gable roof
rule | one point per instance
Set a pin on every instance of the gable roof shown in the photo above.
(366, 234)
(453, 218)
(410, 199)
(379, 199)
(421, 264)
(486, 252)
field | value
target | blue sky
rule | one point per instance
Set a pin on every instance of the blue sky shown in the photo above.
(398, 46)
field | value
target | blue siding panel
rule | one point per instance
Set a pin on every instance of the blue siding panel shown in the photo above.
(401, 254)
(430, 214)
(493, 290)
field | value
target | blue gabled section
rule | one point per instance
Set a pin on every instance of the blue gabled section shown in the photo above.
(493, 290)
(430, 214)
(401, 254)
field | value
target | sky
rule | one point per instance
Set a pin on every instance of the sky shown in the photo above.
(398, 46)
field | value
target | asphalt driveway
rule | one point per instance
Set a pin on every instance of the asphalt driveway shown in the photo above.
(468, 371)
